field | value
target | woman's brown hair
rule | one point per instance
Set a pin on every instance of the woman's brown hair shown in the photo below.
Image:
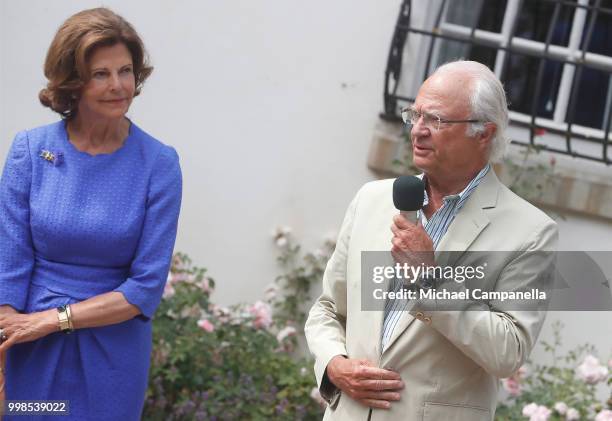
(67, 58)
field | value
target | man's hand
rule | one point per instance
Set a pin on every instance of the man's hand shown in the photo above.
(363, 381)
(411, 243)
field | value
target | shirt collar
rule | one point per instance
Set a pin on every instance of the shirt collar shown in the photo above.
(458, 196)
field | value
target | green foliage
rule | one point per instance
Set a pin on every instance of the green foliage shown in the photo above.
(299, 273)
(210, 362)
(530, 179)
(550, 384)
(405, 165)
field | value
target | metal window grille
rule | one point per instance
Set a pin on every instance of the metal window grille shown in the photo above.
(567, 60)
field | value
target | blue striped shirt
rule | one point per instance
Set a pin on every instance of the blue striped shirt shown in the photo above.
(436, 227)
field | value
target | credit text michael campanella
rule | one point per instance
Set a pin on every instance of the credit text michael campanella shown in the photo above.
(465, 294)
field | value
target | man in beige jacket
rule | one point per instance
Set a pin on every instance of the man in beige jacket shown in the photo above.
(420, 362)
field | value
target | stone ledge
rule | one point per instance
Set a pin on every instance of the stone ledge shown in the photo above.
(570, 188)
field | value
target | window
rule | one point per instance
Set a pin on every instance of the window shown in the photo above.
(553, 56)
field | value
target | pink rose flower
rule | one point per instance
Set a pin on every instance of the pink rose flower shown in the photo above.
(540, 131)
(204, 285)
(206, 325)
(536, 412)
(168, 290)
(522, 372)
(178, 277)
(541, 414)
(605, 415)
(262, 314)
(512, 386)
(591, 371)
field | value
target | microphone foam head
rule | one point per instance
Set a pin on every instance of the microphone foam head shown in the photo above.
(408, 193)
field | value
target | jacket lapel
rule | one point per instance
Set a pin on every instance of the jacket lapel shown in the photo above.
(464, 229)
(469, 222)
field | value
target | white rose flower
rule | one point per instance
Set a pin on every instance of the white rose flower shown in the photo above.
(572, 414)
(561, 407)
(591, 371)
(529, 410)
(285, 333)
(604, 415)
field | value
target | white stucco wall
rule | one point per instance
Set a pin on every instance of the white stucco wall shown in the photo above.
(271, 105)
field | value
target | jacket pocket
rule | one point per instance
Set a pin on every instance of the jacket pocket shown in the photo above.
(453, 412)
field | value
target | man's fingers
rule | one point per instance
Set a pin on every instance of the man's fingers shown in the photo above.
(395, 230)
(403, 223)
(381, 384)
(375, 403)
(366, 372)
(379, 396)
(397, 242)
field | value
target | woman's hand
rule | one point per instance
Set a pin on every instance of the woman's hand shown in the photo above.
(19, 328)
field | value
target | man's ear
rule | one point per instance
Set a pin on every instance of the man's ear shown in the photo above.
(485, 138)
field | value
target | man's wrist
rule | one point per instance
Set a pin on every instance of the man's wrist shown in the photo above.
(332, 362)
(328, 389)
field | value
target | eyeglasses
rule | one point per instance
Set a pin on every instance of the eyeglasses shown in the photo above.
(431, 121)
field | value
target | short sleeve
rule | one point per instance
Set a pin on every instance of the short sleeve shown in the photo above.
(149, 268)
(16, 251)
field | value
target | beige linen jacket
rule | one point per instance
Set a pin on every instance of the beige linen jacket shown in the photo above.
(450, 361)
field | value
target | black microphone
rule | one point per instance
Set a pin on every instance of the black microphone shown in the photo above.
(408, 196)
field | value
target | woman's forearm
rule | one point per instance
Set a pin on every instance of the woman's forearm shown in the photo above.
(105, 309)
(102, 310)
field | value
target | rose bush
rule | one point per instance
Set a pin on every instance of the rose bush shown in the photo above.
(224, 363)
(562, 391)
(212, 362)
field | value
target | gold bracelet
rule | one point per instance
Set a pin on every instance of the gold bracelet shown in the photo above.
(69, 313)
(65, 323)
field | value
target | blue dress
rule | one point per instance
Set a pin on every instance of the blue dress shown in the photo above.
(73, 228)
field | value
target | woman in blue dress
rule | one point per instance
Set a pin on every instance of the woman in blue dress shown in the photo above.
(88, 216)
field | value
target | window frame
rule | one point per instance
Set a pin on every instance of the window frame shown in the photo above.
(572, 57)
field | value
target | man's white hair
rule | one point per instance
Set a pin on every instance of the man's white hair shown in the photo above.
(487, 102)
